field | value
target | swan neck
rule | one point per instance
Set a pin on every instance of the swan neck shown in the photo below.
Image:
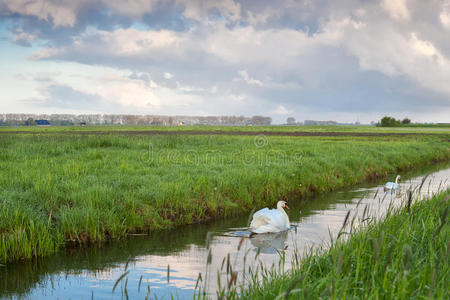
(284, 213)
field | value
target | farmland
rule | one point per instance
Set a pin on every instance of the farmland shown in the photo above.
(59, 188)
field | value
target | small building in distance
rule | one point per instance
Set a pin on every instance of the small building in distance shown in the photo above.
(82, 123)
(42, 122)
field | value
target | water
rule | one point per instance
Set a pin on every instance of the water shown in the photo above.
(81, 274)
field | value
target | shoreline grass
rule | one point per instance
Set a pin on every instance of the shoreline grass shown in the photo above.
(57, 190)
(404, 256)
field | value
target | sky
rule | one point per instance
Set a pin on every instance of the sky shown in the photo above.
(342, 60)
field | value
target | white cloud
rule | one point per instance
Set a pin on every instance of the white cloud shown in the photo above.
(66, 12)
(189, 88)
(168, 75)
(23, 38)
(60, 13)
(380, 48)
(270, 53)
(234, 56)
(397, 9)
(128, 92)
(131, 8)
(246, 45)
(130, 42)
(247, 79)
(198, 9)
(281, 110)
(425, 48)
(444, 16)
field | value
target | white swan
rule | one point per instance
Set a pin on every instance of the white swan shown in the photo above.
(270, 220)
(390, 186)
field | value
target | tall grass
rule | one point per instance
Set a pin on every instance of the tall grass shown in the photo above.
(57, 190)
(402, 257)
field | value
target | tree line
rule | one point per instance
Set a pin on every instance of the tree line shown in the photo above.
(387, 121)
(126, 119)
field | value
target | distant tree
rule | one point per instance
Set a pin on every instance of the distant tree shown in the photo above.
(406, 121)
(30, 122)
(261, 120)
(387, 121)
(290, 121)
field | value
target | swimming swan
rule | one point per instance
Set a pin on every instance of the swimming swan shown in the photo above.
(270, 220)
(390, 186)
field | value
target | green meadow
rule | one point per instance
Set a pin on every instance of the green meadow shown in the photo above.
(413, 128)
(61, 189)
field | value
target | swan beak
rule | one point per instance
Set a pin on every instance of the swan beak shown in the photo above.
(286, 206)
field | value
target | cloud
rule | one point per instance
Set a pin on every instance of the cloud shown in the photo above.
(397, 9)
(22, 38)
(129, 45)
(131, 8)
(168, 75)
(199, 9)
(67, 13)
(243, 76)
(67, 98)
(444, 16)
(251, 57)
(393, 53)
(281, 110)
(128, 92)
(60, 13)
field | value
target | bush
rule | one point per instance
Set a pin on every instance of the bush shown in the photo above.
(387, 121)
(406, 121)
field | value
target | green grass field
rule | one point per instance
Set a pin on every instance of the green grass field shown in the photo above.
(59, 189)
(402, 257)
(278, 128)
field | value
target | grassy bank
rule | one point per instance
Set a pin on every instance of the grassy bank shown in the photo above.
(406, 256)
(61, 189)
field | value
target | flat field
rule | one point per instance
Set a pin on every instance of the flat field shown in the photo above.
(58, 187)
(273, 129)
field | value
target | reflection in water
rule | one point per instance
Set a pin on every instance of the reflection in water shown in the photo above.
(270, 243)
(76, 274)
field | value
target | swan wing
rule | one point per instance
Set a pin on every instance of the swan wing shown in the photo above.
(268, 220)
(391, 186)
(260, 218)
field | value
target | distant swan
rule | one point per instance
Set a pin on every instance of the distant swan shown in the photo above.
(390, 186)
(270, 220)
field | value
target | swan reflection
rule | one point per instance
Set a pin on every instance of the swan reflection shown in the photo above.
(270, 243)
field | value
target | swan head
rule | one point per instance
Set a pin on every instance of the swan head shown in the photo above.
(397, 178)
(282, 204)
